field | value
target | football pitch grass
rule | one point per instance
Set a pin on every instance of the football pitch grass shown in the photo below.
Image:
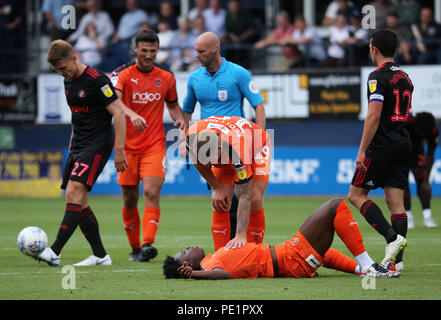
(186, 221)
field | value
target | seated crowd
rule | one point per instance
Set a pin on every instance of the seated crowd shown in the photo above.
(340, 40)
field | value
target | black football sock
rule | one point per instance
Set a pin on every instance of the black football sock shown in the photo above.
(375, 218)
(233, 215)
(399, 224)
(68, 225)
(90, 229)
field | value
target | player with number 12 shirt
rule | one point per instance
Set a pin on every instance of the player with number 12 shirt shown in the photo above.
(383, 158)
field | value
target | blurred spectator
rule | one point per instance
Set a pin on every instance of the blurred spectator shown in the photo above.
(408, 11)
(130, 21)
(357, 42)
(215, 17)
(53, 13)
(198, 26)
(183, 56)
(101, 19)
(404, 54)
(382, 9)
(198, 9)
(119, 51)
(12, 36)
(284, 29)
(331, 11)
(308, 42)
(426, 35)
(89, 46)
(165, 34)
(166, 12)
(346, 9)
(240, 30)
(336, 49)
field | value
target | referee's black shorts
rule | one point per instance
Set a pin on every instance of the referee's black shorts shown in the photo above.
(84, 167)
(386, 167)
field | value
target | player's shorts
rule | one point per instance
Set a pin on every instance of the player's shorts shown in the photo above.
(386, 167)
(260, 169)
(152, 164)
(297, 258)
(84, 167)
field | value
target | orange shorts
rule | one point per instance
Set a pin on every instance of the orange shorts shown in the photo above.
(297, 258)
(153, 164)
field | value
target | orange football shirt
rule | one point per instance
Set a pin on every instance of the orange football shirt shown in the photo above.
(248, 262)
(249, 141)
(145, 93)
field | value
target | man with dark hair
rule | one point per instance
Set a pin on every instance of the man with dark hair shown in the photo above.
(145, 88)
(422, 128)
(383, 157)
(93, 102)
(298, 257)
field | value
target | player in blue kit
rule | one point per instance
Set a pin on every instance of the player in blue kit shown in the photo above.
(220, 87)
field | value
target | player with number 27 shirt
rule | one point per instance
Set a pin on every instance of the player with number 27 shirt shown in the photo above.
(383, 158)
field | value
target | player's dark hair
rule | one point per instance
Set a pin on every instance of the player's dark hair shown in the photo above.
(147, 35)
(171, 266)
(385, 41)
(424, 123)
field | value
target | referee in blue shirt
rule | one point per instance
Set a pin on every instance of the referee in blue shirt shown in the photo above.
(220, 87)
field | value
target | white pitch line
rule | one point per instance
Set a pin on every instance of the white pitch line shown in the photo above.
(76, 271)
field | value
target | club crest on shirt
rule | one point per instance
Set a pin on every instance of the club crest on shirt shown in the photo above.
(81, 94)
(372, 85)
(107, 91)
(222, 95)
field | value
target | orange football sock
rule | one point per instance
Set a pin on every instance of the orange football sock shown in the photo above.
(347, 229)
(220, 229)
(256, 226)
(150, 224)
(131, 225)
(334, 259)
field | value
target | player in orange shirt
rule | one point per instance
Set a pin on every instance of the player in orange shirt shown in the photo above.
(145, 88)
(298, 257)
(240, 159)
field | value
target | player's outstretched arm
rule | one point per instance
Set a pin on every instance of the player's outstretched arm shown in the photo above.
(138, 122)
(243, 192)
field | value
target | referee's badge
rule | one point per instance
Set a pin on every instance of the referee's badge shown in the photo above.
(222, 95)
(372, 85)
(107, 91)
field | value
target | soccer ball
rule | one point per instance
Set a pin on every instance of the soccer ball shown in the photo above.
(31, 241)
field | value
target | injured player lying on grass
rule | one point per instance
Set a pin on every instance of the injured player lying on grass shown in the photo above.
(298, 257)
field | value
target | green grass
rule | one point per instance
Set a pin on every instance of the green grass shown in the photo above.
(186, 221)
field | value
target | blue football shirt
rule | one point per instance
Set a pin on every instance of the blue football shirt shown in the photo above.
(221, 94)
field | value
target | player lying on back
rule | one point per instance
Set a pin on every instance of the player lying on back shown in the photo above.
(298, 257)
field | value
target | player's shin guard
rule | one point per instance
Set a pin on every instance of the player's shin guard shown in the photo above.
(150, 224)
(89, 227)
(399, 224)
(347, 229)
(70, 222)
(256, 226)
(132, 226)
(334, 259)
(220, 229)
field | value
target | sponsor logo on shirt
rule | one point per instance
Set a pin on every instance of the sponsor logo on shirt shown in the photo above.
(145, 97)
